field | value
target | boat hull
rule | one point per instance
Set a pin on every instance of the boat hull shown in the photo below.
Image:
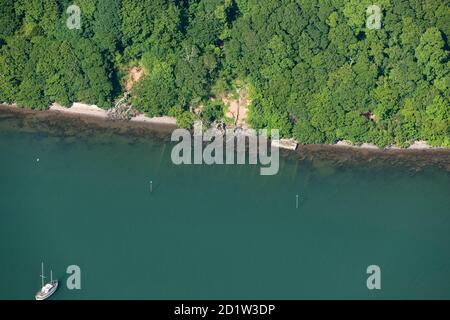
(41, 295)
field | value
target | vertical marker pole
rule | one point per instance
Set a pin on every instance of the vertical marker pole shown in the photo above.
(151, 186)
(296, 201)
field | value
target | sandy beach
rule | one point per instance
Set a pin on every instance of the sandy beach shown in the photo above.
(420, 145)
(89, 117)
(155, 120)
(94, 111)
(81, 109)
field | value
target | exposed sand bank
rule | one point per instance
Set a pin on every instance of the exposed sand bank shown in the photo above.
(86, 116)
(237, 108)
(158, 120)
(420, 145)
(94, 111)
(81, 109)
(134, 75)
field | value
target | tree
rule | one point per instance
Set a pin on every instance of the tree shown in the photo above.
(10, 20)
(156, 94)
(142, 19)
(431, 54)
(107, 25)
(213, 111)
(14, 57)
(436, 127)
(40, 16)
(31, 94)
(313, 68)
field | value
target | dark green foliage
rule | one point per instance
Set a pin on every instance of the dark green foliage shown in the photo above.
(150, 25)
(40, 17)
(47, 71)
(13, 60)
(212, 111)
(10, 21)
(185, 119)
(44, 65)
(312, 67)
(107, 24)
(156, 94)
(329, 72)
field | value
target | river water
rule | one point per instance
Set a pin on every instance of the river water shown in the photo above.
(213, 232)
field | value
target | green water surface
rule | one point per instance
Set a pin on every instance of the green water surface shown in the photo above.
(214, 232)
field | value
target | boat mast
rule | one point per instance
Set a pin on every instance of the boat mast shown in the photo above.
(42, 273)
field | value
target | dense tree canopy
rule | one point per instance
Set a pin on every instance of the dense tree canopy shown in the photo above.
(10, 20)
(317, 66)
(313, 68)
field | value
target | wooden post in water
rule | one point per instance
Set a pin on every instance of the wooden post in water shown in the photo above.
(151, 186)
(296, 201)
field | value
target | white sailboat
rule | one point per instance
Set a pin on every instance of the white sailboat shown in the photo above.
(48, 289)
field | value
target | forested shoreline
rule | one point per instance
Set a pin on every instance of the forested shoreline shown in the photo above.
(312, 68)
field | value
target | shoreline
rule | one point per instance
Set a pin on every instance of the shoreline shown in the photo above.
(73, 127)
(94, 114)
(71, 124)
(82, 109)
